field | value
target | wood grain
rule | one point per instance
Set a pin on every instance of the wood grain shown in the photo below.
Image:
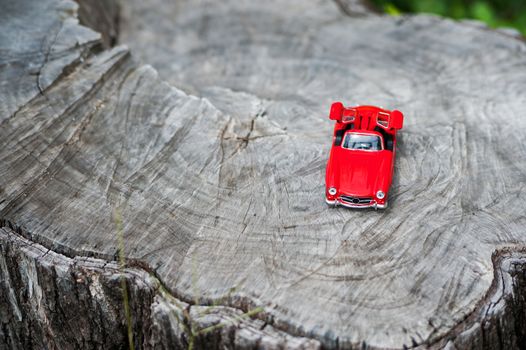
(51, 301)
(393, 278)
(215, 157)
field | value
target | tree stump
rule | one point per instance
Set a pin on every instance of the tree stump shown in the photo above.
(182, 204)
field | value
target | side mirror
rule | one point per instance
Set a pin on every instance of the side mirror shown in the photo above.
(336, 111)
(397, 120)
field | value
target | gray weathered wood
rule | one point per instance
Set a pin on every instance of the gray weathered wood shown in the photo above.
(50, 301)
(217, 168)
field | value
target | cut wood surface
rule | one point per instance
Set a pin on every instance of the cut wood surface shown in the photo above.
(214, 157)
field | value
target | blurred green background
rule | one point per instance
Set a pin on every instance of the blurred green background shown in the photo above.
(496, 13)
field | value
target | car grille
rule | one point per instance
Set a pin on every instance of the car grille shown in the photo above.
(356, 200)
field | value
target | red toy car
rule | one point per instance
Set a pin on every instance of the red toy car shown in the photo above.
(361, 163)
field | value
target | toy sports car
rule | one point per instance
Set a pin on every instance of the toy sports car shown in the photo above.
(361, 162)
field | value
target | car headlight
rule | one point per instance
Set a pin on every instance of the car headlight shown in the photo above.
(380, 195)
(332, 191)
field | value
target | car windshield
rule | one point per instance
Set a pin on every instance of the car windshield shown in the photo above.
(362, 142)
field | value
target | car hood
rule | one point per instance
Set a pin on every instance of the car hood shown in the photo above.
(362, 173)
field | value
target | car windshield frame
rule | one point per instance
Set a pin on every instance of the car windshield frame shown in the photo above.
(348, 135)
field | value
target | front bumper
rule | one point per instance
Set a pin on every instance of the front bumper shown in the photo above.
(372, 204)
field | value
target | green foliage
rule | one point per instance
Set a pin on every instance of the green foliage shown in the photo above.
(496, 13)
